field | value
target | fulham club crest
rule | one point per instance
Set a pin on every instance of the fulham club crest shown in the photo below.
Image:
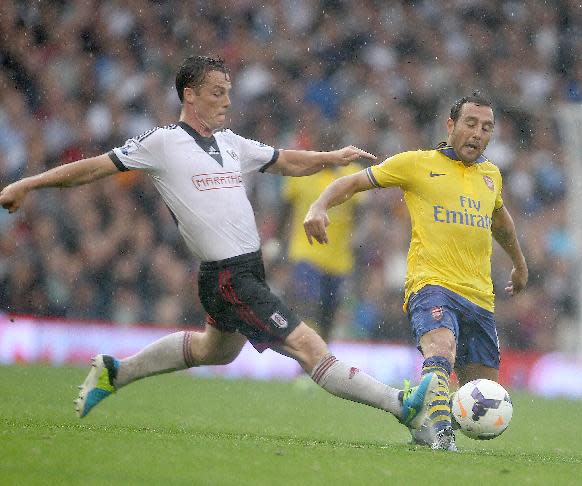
(279, 320)
(489, 182)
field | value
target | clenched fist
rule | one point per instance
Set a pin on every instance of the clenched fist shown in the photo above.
(13, 195)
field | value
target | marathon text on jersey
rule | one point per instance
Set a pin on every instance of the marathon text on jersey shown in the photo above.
(222, 180)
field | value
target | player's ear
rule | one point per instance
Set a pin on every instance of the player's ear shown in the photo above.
(189, 94)
(450, 125)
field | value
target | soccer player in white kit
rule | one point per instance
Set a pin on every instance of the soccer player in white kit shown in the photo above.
(197, 167)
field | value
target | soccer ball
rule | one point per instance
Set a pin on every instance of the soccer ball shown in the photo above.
(482, 408)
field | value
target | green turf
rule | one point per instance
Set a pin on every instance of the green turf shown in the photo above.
(176, 429)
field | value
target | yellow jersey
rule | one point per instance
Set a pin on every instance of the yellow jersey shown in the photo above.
(451, 208)
(335, 258)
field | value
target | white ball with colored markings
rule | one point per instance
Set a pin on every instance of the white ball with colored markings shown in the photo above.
(482, 408)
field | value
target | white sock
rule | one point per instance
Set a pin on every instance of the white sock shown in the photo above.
(170, 353)
(351, 383)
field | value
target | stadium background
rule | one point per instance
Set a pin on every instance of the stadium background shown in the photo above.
(78, 78)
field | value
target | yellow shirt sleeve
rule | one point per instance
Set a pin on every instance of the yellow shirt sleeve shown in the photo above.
(499, 198)
(398, 170)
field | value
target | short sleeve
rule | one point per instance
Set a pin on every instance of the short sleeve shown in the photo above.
(253, 155)
(498, 197)
(144, 152)
(394, 171)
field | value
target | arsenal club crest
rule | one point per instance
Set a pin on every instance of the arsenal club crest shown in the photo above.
(437, 313)
(489, 182)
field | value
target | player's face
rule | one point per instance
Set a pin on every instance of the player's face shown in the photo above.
(211, 100)
(471, 133)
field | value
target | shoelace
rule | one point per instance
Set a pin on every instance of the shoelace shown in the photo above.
(408, 390)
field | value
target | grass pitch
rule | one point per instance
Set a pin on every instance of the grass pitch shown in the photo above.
(177, 429)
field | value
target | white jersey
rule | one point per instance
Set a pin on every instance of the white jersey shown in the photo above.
(200, 180)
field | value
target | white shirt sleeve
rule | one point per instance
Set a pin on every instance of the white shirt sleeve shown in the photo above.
(253, 155)
(144, 152)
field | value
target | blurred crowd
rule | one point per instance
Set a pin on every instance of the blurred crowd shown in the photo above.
(80, 77)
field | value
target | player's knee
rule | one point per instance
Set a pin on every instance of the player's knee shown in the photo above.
(207, 351)
(222, 359)
(209, 357)
(228, 355)
(306, 346)
(213, 355)
(440, 342)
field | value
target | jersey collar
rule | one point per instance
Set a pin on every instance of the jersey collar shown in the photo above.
(449, 151)
(208, 144)
(193, 133)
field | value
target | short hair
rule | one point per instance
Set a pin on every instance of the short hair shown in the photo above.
(194, 69)
(476, 97)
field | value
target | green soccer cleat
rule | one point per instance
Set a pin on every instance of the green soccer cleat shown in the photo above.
(98, 384)
(415, 400)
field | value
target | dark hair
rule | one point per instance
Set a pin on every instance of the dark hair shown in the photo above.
(194, 69)
(476, 97)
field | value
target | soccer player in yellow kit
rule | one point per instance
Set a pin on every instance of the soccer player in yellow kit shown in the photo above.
(319, 271)
(453, 195)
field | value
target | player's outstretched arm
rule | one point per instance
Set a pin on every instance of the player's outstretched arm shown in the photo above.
(338, 192)
(68, 175)
(503, 230)
(305, 162)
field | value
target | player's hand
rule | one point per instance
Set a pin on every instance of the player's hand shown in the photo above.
(315, 223)
(348, 154)
(13, 195)
(518, 280)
